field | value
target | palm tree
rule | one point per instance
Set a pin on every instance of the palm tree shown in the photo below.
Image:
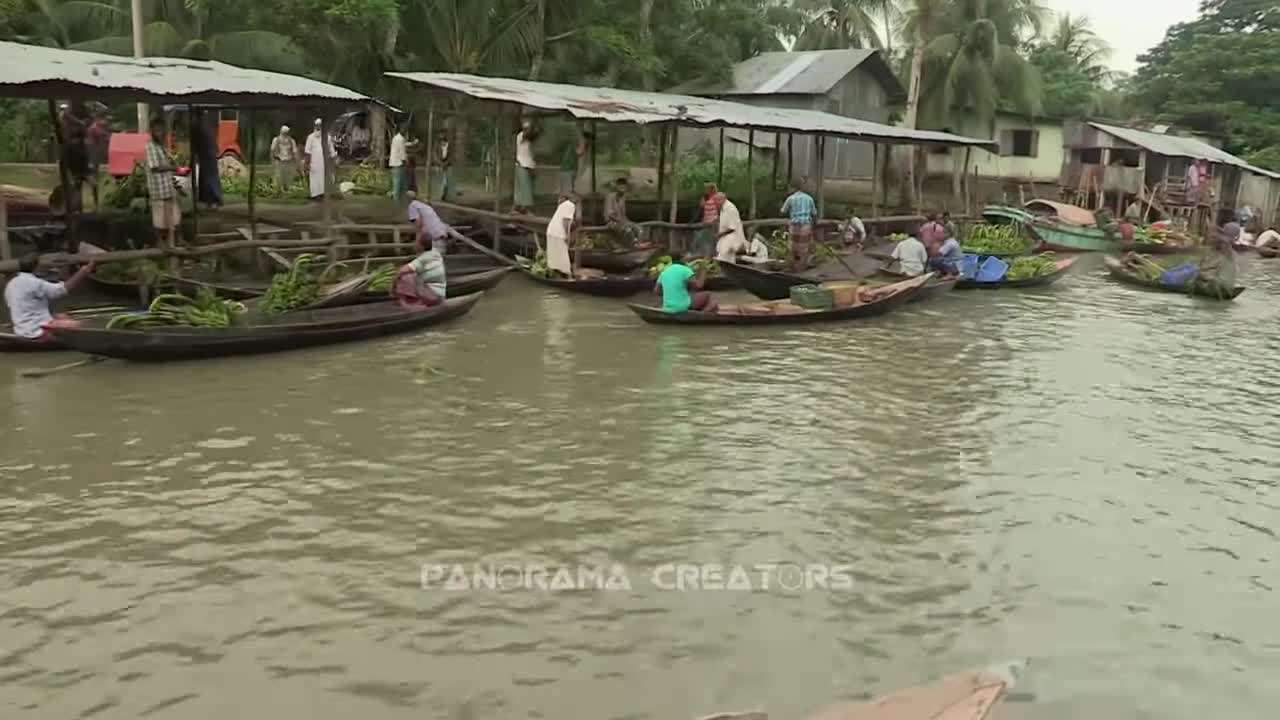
(57, 23)
(1075, 38)
(837, 24)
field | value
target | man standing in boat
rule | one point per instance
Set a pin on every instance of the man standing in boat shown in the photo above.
(730, 238)
(429, 229)
(801, 212)
(559, 232)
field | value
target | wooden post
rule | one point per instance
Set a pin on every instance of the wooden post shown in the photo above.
(196, 168)
(822, 171)
(968, 155)
(497, 178)
(777, 154)
(6, 252)
(431, 144)
(662, 169)
(70, 212)
(593, 164)
(675, 170)
(791, 153)
(253, 176)
(751, 178)
(973, 183)
(720, 163)
(327, 201)
(1142, 181)
(875, 178)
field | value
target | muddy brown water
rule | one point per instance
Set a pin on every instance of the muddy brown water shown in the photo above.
(1084, 475)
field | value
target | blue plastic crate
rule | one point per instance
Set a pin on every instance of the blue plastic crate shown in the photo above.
(1180, 276)
(969, 266)
(992, 270)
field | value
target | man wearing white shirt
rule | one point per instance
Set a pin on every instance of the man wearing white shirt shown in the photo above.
(757, 252)
(396, 160)
(731, 239)
(559, 230)
(28, 297)
(314, 151)
(525, 165)
(911, 256)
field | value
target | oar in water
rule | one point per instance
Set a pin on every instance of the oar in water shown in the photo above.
(45, 372)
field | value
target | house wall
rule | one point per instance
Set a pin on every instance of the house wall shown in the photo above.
(859, 95)
(1044, 166)
(1258, 191)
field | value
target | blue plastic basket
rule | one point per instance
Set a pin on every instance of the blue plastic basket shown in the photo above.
(1180, 275)
(992, 270)
(969, 266)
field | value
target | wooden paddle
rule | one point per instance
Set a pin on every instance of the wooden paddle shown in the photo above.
(45, 372)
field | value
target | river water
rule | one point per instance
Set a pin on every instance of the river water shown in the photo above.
(1085, 476)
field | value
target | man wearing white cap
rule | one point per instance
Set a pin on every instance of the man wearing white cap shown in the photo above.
(284, 156)
(314, 151)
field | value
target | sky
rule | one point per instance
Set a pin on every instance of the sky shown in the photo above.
(1131, 26)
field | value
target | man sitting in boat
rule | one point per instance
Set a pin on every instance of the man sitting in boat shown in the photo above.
(911, 256)
(28, 298)
(421, 281)
(681, 289)
(946, 260)
(730, 240)
(1219, 263)
(756, 252)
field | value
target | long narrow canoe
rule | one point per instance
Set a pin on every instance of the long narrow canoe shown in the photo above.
(1268, 252)
(1208, 290)
(1063, 266)
(764, 284)
(621, 260)
(973, 695)
(609, 286)
(935, 288)
(783, 312)
(10, 343)
(1052, 233)
(320, 327)
(1153, 248)
(455, 285)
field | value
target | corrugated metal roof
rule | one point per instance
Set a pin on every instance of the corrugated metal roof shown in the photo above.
(634, 106)
(1178, 146)
(42, 72)
(813, 72)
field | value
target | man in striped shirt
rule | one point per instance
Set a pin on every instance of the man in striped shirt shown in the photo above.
(162, 187)
(802, 212)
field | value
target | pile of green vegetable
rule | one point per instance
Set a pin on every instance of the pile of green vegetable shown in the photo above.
(121, 193)
(1022, 268)
(265, 188)
(370, 179)
(539, 266)
(896, 238)
(709, 265)
(986, 239)
(656, 269)
(206, 309)
(382, 278)
(779, 243)
(293, 289)
(595, 241)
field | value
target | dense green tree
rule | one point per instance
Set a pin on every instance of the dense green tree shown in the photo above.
(1074, 78)
(836, 24)
(1219, 73)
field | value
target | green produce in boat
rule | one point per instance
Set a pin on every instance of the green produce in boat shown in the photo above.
(206, 309)
(292, 289)
(1022, 268)
(987, 239)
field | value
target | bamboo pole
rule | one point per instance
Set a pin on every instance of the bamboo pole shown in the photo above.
(675, 173)
(594, 180)
(822, 172)
(662, 168)
(720, 162)
(6, 252)
(968, 155)
(751, 178)
(326, 150)
(791, 154)
(777, 154)
(196, 170)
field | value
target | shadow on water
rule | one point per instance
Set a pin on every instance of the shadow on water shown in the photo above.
(1080, 474)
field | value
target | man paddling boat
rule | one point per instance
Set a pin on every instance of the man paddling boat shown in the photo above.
(427, 225)
(28, 298)
(1219, 263)
(681, 289)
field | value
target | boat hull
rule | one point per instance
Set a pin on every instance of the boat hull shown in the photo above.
(1064, 266)
(614, 287)
(905, 293)
(764, 284)
(1118, 271)
(325, 327)
(10, 343)
(1268, 252)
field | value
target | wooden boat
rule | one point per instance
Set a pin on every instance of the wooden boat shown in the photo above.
(121, 290)
(1268, 252)
(1152, 248)
(1202, 289)
(719, 283)
(935, 288)
(764, 284)
(973, 695)
(783, 312)
(607, 286)
(1053, 232)
(455, 286)
(1063, 266)
(189, 287)
(10, 343)
(620, 260)
(319, 327)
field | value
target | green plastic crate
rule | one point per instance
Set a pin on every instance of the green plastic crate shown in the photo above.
(812, 297)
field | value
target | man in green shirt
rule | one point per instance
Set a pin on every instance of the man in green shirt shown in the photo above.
(681, 289)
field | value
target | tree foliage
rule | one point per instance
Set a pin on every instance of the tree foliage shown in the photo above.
(1075, 81)
(1219, 73)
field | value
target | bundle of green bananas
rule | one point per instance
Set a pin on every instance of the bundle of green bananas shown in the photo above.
(779, 243)
(656, 269)
(204, 310)
(539, 266)
(1031, 266)
(709, 264)
(984, 239)
(293, 289)
(383, 277)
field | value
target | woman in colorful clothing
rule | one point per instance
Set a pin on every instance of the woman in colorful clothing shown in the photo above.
(421, 281)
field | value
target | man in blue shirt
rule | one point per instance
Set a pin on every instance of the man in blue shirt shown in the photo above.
(802, 212)
(682, 291)
(947, 259)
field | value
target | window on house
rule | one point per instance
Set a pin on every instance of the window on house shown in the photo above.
(1091, 156)
(1019, 143)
